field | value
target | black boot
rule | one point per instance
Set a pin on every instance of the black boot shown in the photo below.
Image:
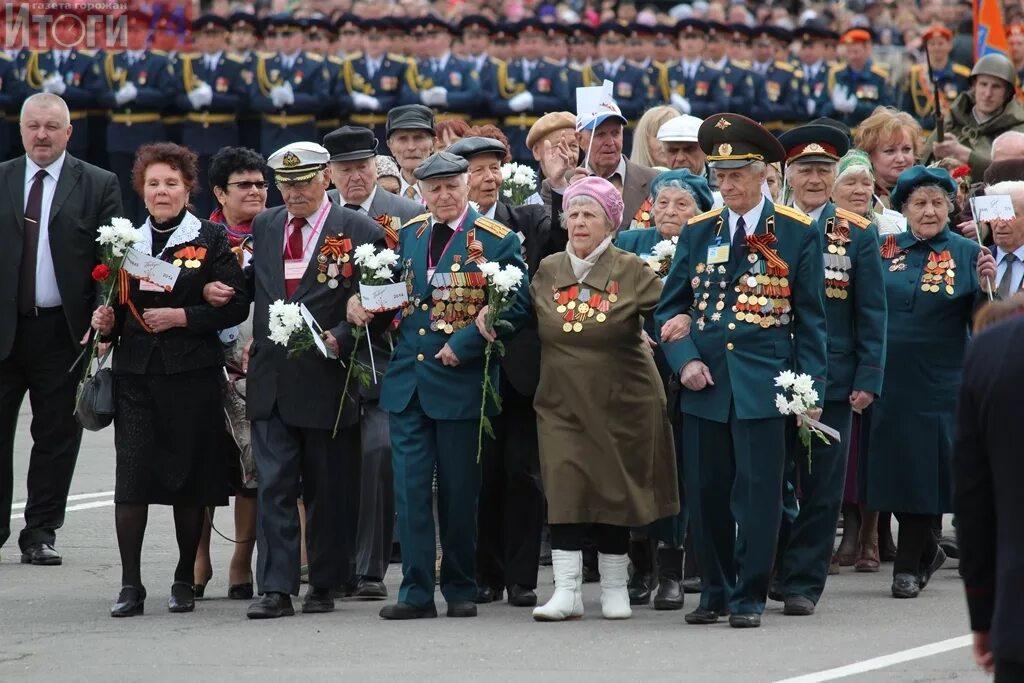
(641, 554)
(670, 575)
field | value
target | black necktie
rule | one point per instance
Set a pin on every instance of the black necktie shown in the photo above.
(30, 245)
(439, 236)
(354, 207)
(738, 250)
(1004, 285)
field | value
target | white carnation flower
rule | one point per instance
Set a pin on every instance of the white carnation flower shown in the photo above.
(785, 379)
(796, 407)
(387, 258)
(489, 269)
(506, 171)
(665, 250)
(508, 280)
(507, 193)
(782, 404)
(363, 252)
(803, 384)
(812, 398)
(382, 274)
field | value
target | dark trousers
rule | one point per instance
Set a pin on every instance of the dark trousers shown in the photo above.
(420, 444)
(511, 510)
(121, 164)
(734, 473)
(1008, 671)
(916, 545)
(286, 457)
(376, 496)
(607, 538)
(804, 559)
(39, 364)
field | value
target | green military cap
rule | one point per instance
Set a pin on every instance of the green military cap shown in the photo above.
(734, 141)
(814, 142)
(467, 148)
(441, 165)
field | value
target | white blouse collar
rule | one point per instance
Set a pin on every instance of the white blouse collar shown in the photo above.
(186, 231)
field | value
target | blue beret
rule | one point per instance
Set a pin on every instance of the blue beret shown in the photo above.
(695, 184)
(919, 176)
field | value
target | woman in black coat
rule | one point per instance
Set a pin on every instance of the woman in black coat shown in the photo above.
(169, 426)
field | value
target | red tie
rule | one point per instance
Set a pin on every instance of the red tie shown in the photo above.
(294, 252)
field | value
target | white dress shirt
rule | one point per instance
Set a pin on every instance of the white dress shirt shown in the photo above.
(288, 61)
(611, 68)
(47, 294)
(490, 212)
(1016, 275)
(405, 185)
(373, 65)
(750, 219)
(212, 60)
(365, 206)
(309, 240)
(690, 68)
(620, 170)
(134, 56)
(815, 214)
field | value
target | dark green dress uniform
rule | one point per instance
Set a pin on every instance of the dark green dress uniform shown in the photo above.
(546, 83)
(758, 310)
(780, 103)
(435, 410)
(295, 122)
(705, 90)
(458, 79)
(80, 74)
(330, 116)
(918, 96)
(908, 468)
(388, 82)
(136, 122)
(870, 86)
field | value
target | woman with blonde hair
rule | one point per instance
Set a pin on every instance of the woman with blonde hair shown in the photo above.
(893, 141)
(647, 149)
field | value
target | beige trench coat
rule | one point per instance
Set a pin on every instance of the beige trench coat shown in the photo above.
(606, 448)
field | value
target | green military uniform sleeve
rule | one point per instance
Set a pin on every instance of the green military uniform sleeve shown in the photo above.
(677, 299)
(871, 313)
(809, 333)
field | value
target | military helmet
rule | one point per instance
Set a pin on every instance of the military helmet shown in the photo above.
(997, 66)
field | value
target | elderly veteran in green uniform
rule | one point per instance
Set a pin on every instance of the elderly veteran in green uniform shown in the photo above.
(677, 197)
(932, 290)
(855, 313)
(752, 275)
(432, 387)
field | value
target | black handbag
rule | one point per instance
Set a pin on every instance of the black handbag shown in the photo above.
(94, 407)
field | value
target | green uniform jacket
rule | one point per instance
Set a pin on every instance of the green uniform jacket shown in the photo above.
(909, 465)
(744, 358)
(855, 312)
(446, 393)
(978, 137)
(639, 241)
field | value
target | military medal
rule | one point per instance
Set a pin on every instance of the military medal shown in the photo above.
(577, 304)
(940, 269)
(334, 260)
(763, 292)
(837, 264)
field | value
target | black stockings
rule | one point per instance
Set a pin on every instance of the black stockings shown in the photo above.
(130, 520)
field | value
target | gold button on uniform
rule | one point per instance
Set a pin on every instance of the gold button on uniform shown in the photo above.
(422, 331)
(729, 346)
(419, 356)
(732, 326)
(425, 307)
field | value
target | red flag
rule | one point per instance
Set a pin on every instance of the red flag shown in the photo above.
(989, 29)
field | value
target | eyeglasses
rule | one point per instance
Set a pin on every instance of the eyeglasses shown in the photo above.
(246, 185)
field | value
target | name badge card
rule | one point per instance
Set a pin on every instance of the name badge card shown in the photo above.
(718, 253)
(153, 274)
(294, 269)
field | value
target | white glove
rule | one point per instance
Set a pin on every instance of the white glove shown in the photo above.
(201, 97)
(838, 96)
(851, 102)
(54, 84)
(282, 96)
(521, 102)
(441, 96)
(289, 96)
(127, 93)
(434, 97)
(362, 101)
(680, 103)
(811, 106)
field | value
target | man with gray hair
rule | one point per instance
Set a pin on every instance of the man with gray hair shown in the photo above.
(1009, 145)
(1001, 265)
(47, 295)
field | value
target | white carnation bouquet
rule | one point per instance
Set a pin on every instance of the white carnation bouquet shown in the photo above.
(287, 328)
(115, 240)
(802, 398)
(502, 286)
(517, 183)
(661, 256)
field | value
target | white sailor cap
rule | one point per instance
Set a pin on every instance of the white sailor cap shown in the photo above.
(298, 161)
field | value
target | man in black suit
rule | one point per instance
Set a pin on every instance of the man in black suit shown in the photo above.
(53, 206)
(303, 254)
(988, 471)
(1002, 264)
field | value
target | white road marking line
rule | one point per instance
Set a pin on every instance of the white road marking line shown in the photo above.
(77, 496)
(882, 662)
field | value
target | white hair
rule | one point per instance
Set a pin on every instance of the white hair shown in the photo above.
(1012, 138)
(47, 100)
(1011, 188)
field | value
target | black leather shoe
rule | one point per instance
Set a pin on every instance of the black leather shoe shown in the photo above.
(486, 594)
(950, 546)
(640, 589)
(905, 586)
(271, 606)
(692, 584)
(775, 590)
(370, 589)
(240, 591)
(183, 598)
(461, 609)
(703, 616)
(744, 620)
(669, 596)
(521, 596)
(798, 606)
(925, 575)
(131, 602)
(403, 610)
(318, 601)
(41, 555)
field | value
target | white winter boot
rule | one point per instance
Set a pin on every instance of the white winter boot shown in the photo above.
(567, 601)
(614, 594)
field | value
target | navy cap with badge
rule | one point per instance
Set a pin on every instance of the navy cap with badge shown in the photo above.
(347, 22)
(284, 21)
(611, 27)
(477, 23)
(441, 165)
(734, 141)
(241, 20)
(351, 143)
(691, 27)
(814, 143)
(210, 23)
(410, 117)
(320, 25)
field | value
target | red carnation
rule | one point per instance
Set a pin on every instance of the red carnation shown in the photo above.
(961, 171)
(101, 273)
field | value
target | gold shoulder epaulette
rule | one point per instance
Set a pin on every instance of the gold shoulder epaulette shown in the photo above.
(158, 52)
(707, 214)
(793, 213)
(492, 226)
(87, 53)
(417, 219)
(836, 68)
(552, 62)
(335, 59)
(854, 218)
(266, 55)
(189, 55)
(4, 57)
(312, 56)
(495, 61)
(742, 63)
(784, 66)
(961, 70)
(880, 70)
(232, 57)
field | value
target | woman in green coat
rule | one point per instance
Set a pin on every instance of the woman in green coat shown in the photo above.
(932, 291)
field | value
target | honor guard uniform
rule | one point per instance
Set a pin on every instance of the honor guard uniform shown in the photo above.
(475, 27)
(629, 90)
(248, 120)
(778, 102)
(8, 101)
(812, 66)
(289, 90)
(321, 36)
(528, 87)
(741, 85)
(445, 82)
(694, 87)
(752, 279)
(138, 86)
(211, 91)
(372, 82)
(852, 94)
(855, 312)
(655, 72)
(435, 407)
(582, 39)
(952, 79)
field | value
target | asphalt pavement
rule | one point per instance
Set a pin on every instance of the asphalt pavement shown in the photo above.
(55, 624)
